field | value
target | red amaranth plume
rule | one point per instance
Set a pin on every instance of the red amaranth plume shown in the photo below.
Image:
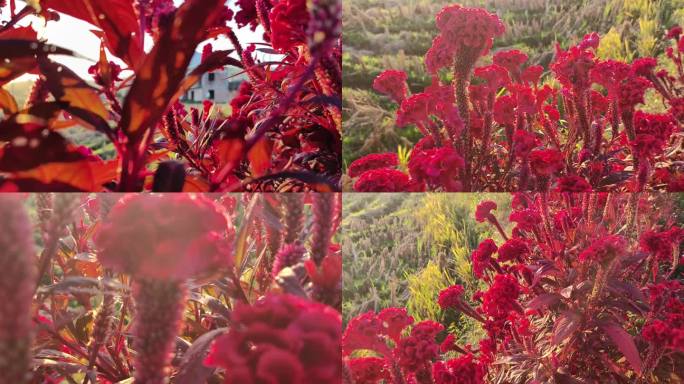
(293, 217)
(288, 256)
(16, 291)
(321, 231)
(272, 216)
(160, 306)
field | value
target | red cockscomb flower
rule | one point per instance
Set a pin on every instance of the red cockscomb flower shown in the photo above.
(280, 338)
(368, 370)
(604, 249)
(382, 180)
(461, 370)
(393, 84)
(164, 236)
(289, 20)
(414, 352)
(482, 257)
(394, 321)
(450, 297)
(513, 249)
(373, 161)
(484, 210)
(573, 184)
(546, 162)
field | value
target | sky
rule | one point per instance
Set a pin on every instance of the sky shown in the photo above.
(75, 35)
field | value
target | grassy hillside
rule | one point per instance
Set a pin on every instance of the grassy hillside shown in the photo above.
(402, 249)
(395, 34)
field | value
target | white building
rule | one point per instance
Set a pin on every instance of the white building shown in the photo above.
(218, 86)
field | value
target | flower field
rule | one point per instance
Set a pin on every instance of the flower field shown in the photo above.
(571, 288)
(493, 121)
(230, 288)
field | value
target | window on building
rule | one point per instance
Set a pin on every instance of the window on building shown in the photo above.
(212, 76)
(211, 94)
(233, 85)
(192, 95)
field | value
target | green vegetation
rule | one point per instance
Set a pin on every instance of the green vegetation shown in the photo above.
(404, 248)
(395, 34)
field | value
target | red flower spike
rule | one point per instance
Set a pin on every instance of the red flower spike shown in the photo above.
(17, 260)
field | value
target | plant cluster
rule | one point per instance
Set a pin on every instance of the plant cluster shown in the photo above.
(499, 127)
(586, 288)
(282, 134)
(228, 288)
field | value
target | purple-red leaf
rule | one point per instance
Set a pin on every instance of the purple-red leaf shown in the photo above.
(543, 300)
(624, 343)
(116, 18)
(566, 324)
(161, 73)
(192, 368)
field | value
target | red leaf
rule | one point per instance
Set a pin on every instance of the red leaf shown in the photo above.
(543, 300)
(624, 343)
(116, 18)
(66, 86)
(566, 324)
(159, 76)
(260, 157)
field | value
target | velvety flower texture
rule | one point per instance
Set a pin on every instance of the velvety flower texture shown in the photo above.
(450, 297)
(466, 34)
(368, 370)
(461, 370)
(484, 210)
(382, 180)
(289, 20)
(393, 84)
(164, 236)
(603, 249)
(501, 297)
(482, 257)
(513, 249)
(416, 351)
(373, 161)
(280, 339)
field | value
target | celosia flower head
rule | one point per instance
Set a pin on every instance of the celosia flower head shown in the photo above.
(394, 321)
(546, 162)
(373, 161)
(368, 370)
(513, 249)
(484, 210)
(420, 348)
(501, 297)
(573, 184)
(461, 370)
(604, 249)
(382, 180)
(164, 236)
(280, 339)
(393, 84)
(464, 27)
(450, 297)
(289, 20)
